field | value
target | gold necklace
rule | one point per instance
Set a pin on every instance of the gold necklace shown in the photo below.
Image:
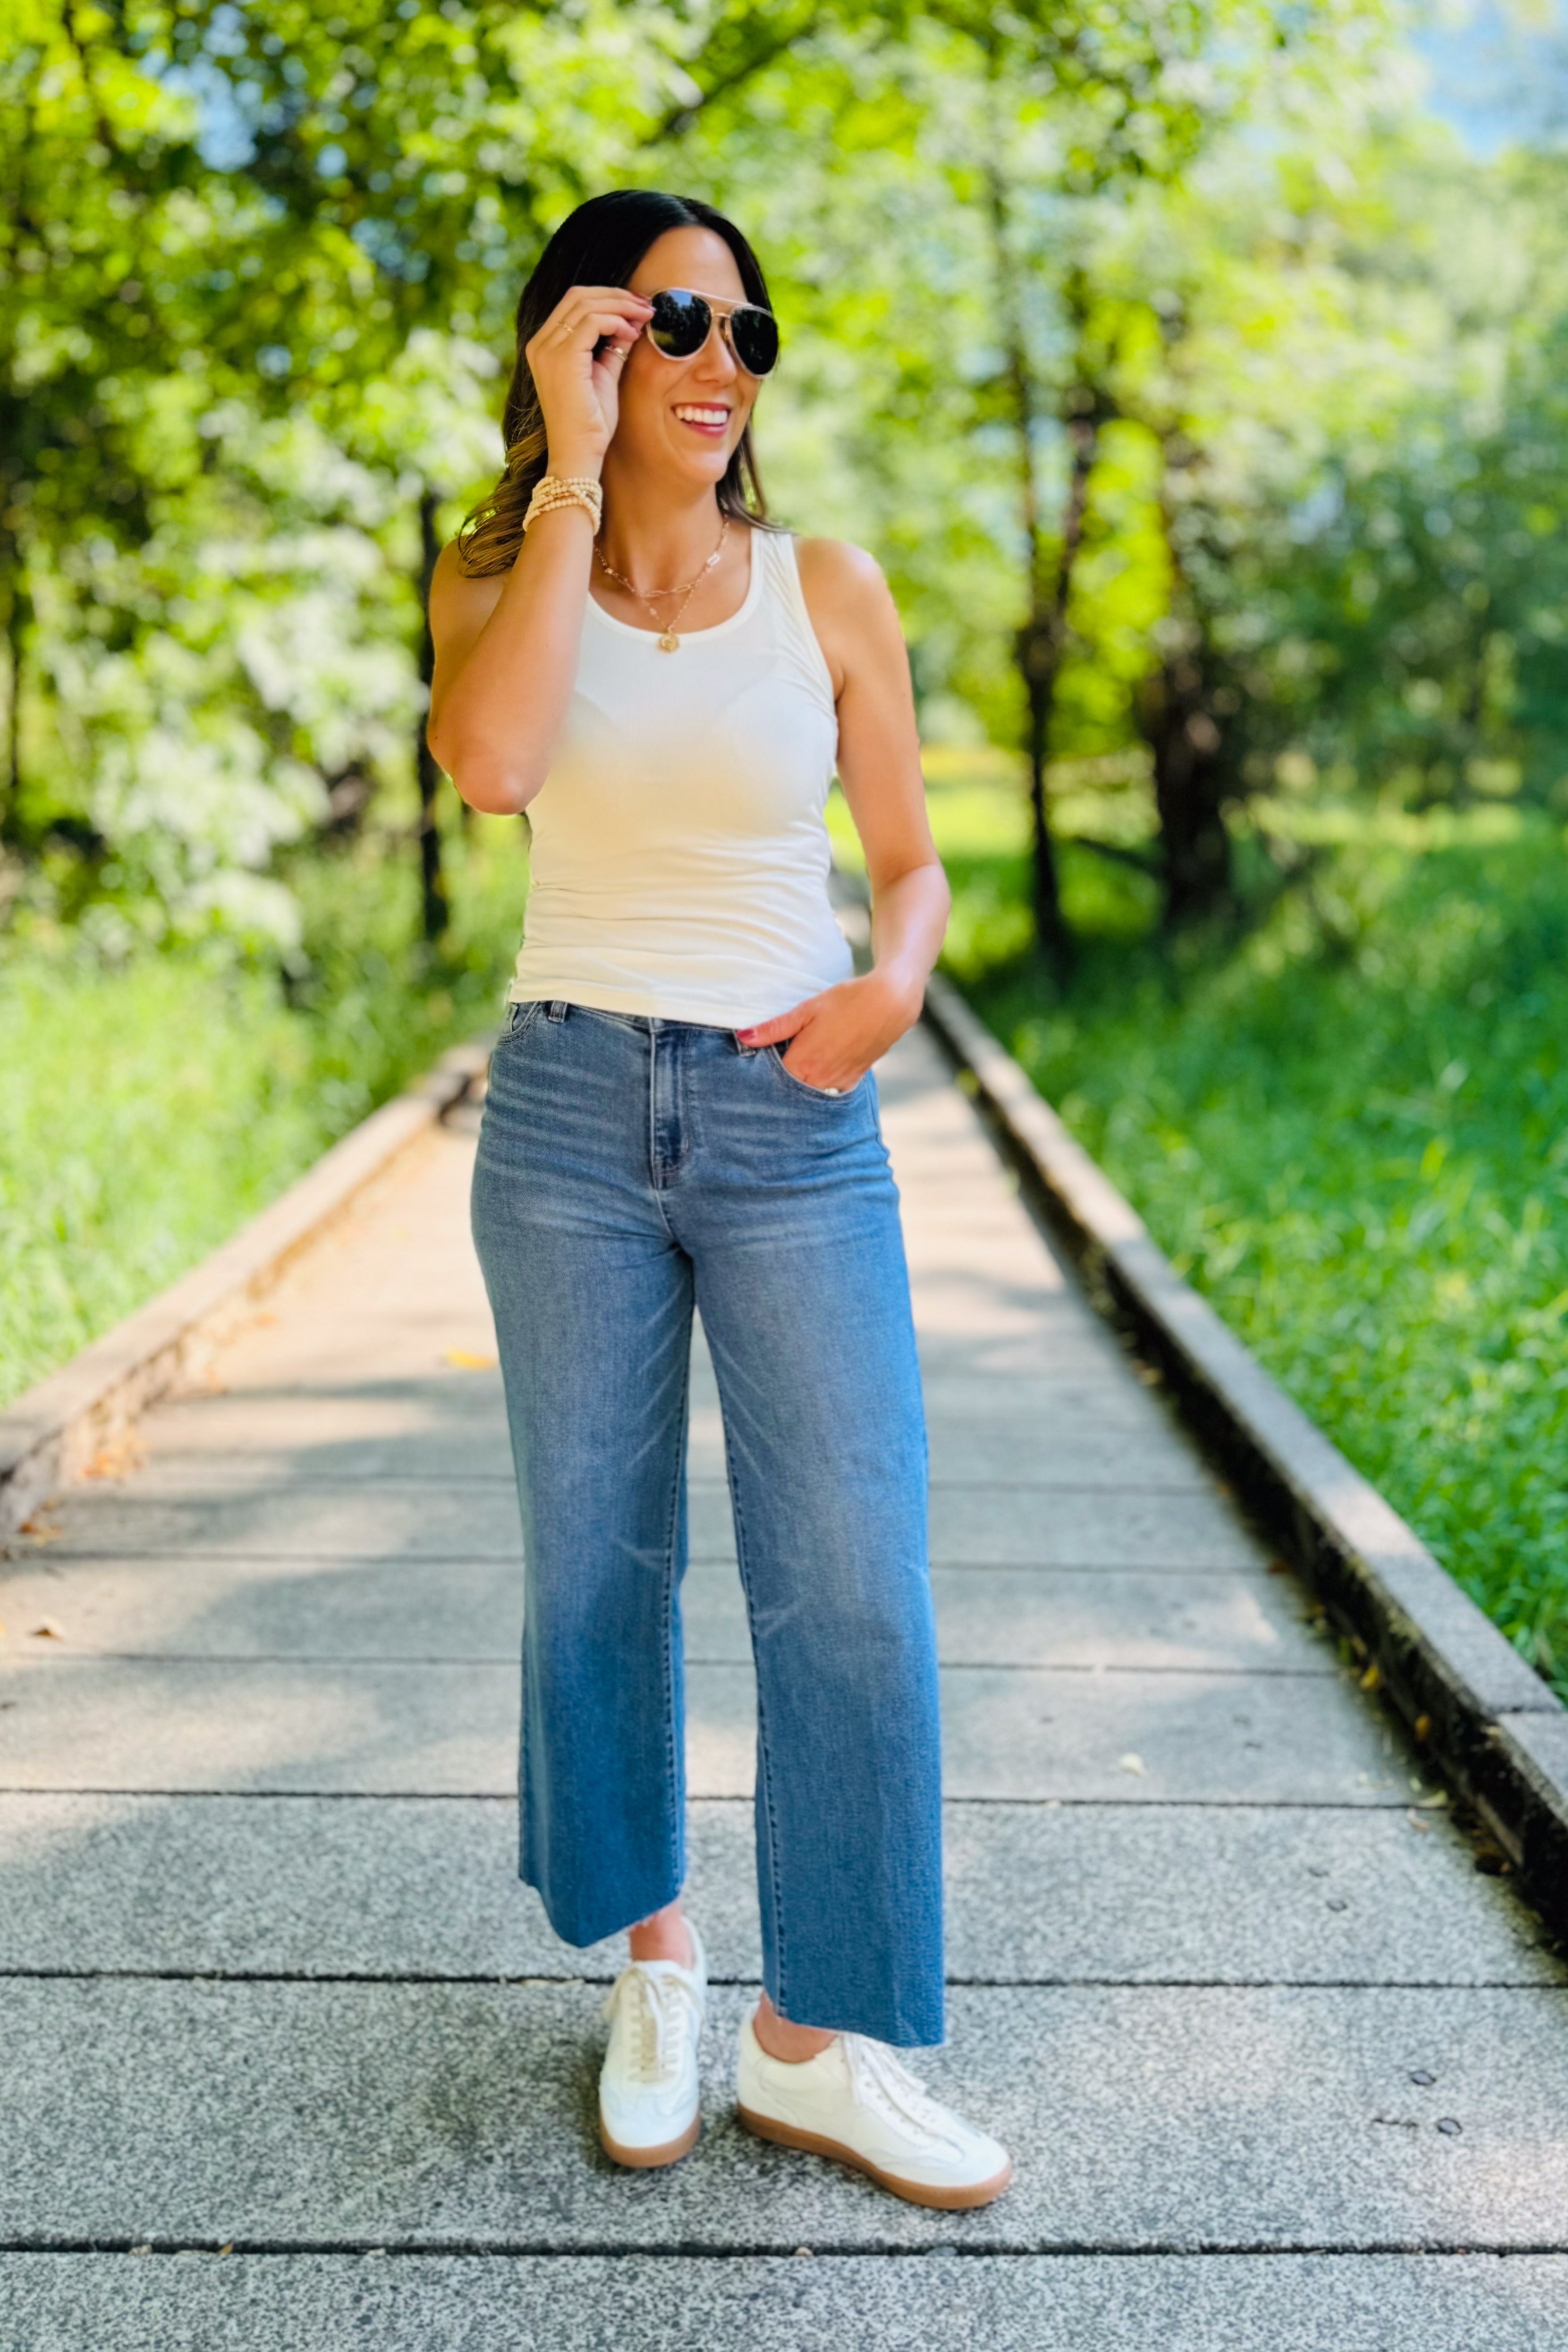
(666, 641)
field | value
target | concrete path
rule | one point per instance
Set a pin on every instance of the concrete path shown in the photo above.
(292, 2063)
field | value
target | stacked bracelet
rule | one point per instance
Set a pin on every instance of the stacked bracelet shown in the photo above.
(565, 490)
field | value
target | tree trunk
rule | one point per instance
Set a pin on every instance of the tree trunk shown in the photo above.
(1035, 669)
(1190, 780)
(437, 913)
(1182, 707)
(1041, 643)
(15, 629)
(15, 623)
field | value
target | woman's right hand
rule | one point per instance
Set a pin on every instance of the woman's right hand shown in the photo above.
(579, 394)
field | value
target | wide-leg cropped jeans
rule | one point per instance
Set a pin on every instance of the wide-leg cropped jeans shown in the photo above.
(630, 1167)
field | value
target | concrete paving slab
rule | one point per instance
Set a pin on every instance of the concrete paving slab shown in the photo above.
(1118, 1424)
(887, 2302)
(473, 1608)
(295, 1442)
(969, 1289)
(1072, 1354)
(269, 1608)
(1147, 2117)
(407, 1729)
(303, 1419)
(217, 1519)
(1054, 1402)
(1014, 1450)
(1087, 1527)
(364, 1352)
(217, 1515)
(1067, 1617)
(1172, 1738)
(418, 1429)
(427, 1887)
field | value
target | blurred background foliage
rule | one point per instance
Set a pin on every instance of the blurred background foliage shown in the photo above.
(1199, 385)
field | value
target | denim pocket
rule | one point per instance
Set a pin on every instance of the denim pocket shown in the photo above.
(520, 1020)
(815, 1094)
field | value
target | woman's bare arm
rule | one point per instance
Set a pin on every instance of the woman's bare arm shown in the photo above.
(506, 655)
(838, 1034)
(507, 646)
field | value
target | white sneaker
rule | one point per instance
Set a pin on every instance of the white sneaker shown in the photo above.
(857, 2101)
(649, 2107)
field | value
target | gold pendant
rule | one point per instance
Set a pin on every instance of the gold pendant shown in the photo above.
(669, 643)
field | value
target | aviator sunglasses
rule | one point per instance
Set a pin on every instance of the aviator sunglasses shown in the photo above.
(682, 322)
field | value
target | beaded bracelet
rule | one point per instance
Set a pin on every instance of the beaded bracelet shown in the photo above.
(565, 490)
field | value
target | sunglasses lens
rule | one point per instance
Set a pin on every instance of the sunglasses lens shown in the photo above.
(679, 324)
(755, 335)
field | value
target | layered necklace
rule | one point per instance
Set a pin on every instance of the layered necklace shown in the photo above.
(668, 641)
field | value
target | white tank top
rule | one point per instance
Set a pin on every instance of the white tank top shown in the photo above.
(680, 857)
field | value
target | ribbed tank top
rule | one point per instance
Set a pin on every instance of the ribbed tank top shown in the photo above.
(679, 855)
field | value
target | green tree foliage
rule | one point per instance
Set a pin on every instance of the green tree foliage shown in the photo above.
(258, 282)
(1201, 399)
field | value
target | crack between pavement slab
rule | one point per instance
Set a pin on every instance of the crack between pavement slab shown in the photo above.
(55, 1657)
(1132, 2249)
(1396, 1804)
(353, 1481)
(1247, 1573)
(750, 1983)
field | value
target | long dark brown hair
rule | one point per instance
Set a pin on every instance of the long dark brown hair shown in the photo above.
(598, 245)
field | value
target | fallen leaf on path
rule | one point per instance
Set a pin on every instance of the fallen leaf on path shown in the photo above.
(41, 1530)
(466, 1361)
(121, 1454)
(50, 1631)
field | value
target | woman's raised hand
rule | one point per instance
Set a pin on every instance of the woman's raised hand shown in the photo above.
(579, 394)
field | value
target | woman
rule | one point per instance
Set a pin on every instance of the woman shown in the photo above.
(681, 1111)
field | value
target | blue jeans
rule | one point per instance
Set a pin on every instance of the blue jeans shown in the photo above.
(627, 1169)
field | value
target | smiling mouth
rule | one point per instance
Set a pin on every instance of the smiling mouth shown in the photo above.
(709, 418)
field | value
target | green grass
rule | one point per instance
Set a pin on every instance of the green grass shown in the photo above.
(1349, 1128)
(149, 1106)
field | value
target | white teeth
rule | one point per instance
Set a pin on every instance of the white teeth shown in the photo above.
(705, 415)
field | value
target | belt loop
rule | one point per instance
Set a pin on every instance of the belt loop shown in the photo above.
(557, 1009)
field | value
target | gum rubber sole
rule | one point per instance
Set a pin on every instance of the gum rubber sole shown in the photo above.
(647, 2159)
(913, 2192)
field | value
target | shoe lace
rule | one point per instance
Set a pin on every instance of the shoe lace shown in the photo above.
(663, 2009)
(880, 2081)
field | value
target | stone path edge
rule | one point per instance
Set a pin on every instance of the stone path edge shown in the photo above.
(51, 1430)
(1475, 1708)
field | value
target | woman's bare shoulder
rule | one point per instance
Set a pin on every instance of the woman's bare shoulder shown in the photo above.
(851, 608)
(837, 571)
(456, 597)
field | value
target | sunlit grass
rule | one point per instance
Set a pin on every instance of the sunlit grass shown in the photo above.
(1349, 1126)
(147, 1109)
